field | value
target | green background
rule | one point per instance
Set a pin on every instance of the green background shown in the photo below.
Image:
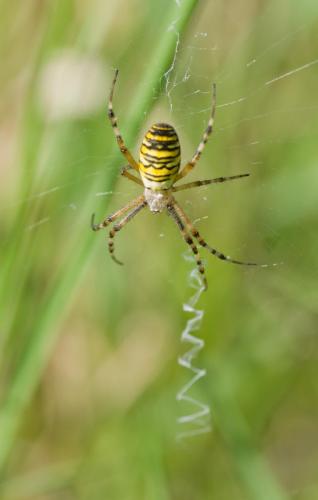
(89, 350)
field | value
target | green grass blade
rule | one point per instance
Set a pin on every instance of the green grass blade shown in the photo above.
(45, 329)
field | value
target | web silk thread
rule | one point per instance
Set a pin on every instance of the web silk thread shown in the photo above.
(197, 422)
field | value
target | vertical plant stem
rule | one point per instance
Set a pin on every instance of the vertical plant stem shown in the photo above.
(45, 329)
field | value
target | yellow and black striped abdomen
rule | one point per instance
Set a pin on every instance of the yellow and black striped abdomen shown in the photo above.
(159, 159)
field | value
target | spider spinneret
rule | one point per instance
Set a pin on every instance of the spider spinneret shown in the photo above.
(159, 170)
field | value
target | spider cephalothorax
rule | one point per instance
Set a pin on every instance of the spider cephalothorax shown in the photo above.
(159, 170)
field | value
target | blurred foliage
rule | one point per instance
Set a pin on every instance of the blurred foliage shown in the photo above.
(88, 349)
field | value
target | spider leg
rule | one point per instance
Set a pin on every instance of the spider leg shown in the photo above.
(117, 227)
(209, 129)
(111, 218)
(124, 172)
(187, 238)
(209, 181)
(113, 121)
(187, 222)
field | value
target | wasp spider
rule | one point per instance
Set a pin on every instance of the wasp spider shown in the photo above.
(158, 167)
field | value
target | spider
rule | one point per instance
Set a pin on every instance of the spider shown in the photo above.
(159, 169)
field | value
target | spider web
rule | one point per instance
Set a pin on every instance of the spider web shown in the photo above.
(185, 96)
(182, 104)
(179, 76)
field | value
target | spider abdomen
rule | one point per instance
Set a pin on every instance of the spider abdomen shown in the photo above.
(159, 159)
